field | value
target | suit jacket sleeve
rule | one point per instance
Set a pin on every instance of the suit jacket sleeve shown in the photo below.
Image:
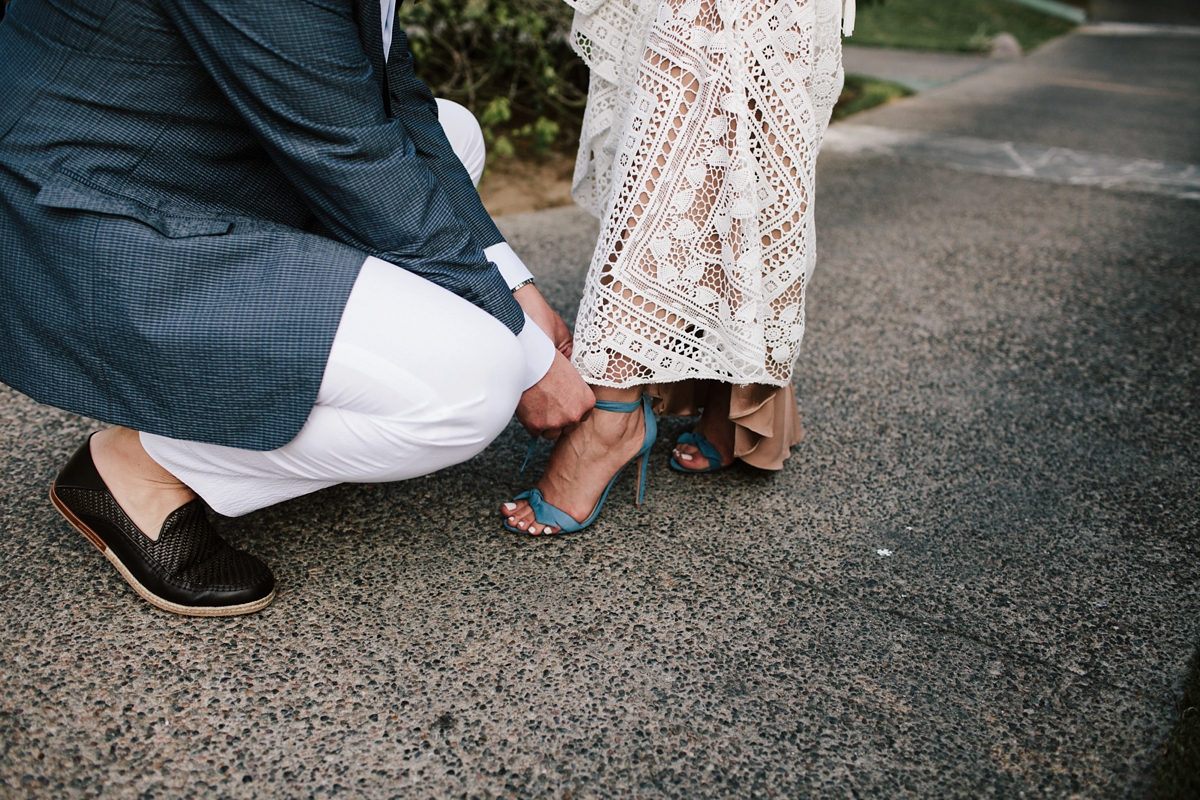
(413, 105)
(297, 73)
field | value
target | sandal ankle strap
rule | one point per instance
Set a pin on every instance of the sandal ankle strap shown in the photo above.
(603, 405)
(624, 408)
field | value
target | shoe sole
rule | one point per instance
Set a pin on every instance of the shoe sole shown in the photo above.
(147, 595)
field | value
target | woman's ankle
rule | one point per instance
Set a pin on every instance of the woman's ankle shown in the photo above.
(617, 425)
(715, 424)
(617, 394)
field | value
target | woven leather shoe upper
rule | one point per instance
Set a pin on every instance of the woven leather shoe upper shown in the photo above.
(189, 564)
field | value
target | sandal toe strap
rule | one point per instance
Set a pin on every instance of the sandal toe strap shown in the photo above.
(707, 448)
(547, 514)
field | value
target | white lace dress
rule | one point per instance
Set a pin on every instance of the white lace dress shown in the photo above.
(699, 143)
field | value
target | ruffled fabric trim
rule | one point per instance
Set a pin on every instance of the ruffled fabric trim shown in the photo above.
(766, 418)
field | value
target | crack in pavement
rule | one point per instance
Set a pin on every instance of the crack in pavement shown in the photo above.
(1015, 655)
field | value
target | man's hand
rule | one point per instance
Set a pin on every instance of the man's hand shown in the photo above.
(559, 400)
(533, 304)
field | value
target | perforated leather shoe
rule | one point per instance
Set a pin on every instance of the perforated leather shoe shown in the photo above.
(189, 569)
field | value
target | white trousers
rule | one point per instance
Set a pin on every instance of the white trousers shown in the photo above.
(418, 379)
(465, 135)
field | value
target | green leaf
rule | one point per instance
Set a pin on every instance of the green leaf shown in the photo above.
(545, 131)
(503, 148)
(497, 111)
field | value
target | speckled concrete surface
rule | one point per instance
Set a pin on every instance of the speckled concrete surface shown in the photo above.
(998, 384)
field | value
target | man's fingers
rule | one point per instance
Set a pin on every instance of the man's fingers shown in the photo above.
(558, 400)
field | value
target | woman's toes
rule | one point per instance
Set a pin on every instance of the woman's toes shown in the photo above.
(540, 529)
(689, 457)
(519, 514)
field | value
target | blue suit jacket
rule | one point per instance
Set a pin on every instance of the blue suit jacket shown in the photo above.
(187, 191)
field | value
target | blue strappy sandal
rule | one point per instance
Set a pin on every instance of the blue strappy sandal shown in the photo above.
(706, 448)
(548, 515)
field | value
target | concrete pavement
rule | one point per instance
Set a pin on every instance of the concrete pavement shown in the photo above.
(977, 575)
(1132, 96)
(914, 69)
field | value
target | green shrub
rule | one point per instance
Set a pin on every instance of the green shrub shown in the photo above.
(509, 61)
(860, 93)
(963, 25)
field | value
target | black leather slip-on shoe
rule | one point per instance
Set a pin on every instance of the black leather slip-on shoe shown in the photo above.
(188, 570)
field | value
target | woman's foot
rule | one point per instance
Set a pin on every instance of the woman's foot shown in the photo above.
(583, 462)
(715, 426)
(145, 491)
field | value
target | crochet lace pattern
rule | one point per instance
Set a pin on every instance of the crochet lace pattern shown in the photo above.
(701, 133)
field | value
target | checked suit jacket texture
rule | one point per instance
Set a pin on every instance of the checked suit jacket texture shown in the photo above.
(188, 189)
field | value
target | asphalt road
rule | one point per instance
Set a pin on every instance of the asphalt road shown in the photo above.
(1168, 12)
(1129, 96)
(978, 574)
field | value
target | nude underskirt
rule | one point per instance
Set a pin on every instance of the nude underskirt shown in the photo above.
(766, 419)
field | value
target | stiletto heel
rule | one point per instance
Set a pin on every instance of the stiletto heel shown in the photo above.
(641, 487)
(547, 515)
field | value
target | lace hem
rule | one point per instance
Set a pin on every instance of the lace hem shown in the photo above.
(703, 124)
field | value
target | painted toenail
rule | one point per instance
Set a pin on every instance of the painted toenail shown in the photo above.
(510, 506)
(685, 456)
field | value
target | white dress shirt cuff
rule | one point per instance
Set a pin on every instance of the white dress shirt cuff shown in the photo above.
(539, 352)
(509, 263)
